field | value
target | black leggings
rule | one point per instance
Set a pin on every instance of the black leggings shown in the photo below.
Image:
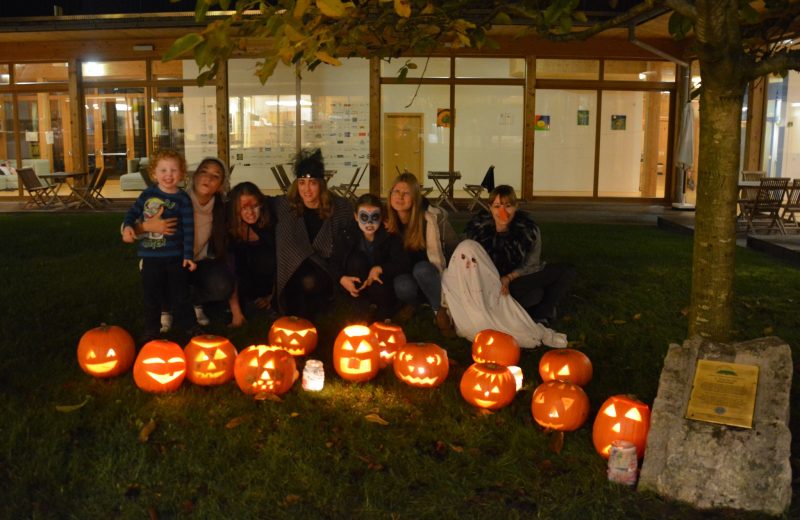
(540, 292)
(382, 295)
(308, 291)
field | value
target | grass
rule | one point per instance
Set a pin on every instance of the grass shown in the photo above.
(216, 453)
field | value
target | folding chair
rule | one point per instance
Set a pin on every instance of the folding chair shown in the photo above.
(753, 175)
(97, 189)
(42, 195)
(792, 206)
(348, 190)
(766, 209)
(423, 190)
(82, 195)
(281, 184)
(284, 176)
(476, 190)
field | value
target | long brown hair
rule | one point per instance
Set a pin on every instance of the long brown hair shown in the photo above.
(325, 199)
(235, 208)
(414, 232)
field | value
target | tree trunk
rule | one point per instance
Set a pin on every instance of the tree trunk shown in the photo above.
(711, 311)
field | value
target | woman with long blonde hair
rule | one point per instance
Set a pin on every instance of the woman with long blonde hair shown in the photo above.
(428, 239)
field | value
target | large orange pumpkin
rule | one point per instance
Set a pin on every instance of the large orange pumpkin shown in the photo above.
(560, 406)
(297, 336)
(421, 364)
(106, 351)
(487, 385)
(209, 360)
(390, 338)
(566, 364)
(621, 417)
(160, 367)
(493, 346)
(265, 369)
(356, 355)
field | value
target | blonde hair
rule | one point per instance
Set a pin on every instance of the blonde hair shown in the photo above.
(325, 199)
(166, 153)
(414, 232)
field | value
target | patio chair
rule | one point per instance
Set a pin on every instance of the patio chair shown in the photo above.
(765, 211)
(753, 175)
(281, 184)
(284, 176)
(348, 189)
(423, 190)
(97, 188)
(476, 190)
(82, 195)
(792, 206)
(41, 194)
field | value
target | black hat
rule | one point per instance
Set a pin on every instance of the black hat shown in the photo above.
(308, 164)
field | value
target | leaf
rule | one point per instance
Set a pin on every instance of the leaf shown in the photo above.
(769, 331)
(300, 8)
(373, 417)
(182, 45)
(619, 322)
(236, 421)
(201, 9)
(327, 58)
(502, 19)
(402, 8)
(67, 408)
(556, 442)
(293, 34)
(147, 429)
(637, 316)
(331, 8)
(267, 396)
(294, 414)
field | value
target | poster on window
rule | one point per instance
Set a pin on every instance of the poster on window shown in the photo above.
(618, 122)
(583, 118)
(444, 117)
(541, 123)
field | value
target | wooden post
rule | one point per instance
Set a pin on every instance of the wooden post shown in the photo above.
(648, 176)
(756, 113)
(529, 110)
(375, 125)
(77, 118)
(223, 137)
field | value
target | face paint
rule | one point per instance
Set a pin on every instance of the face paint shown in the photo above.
(369, 220)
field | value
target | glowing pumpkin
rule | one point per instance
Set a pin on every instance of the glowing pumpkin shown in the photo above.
(209, 360)
(297, 336)
(160, 367)
(560, 406)
(421, 364)
(265, 369)
(106, 351)
(566, 364)
(355, 353)
(624, 418)
(390, 338)
(493, 346)
(487, 385)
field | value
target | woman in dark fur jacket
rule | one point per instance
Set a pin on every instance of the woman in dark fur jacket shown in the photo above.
(513, 242)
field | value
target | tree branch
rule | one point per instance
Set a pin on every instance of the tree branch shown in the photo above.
(777, 63)
(683, 8)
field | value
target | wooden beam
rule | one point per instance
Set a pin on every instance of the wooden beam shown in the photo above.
(754, 134)
(375, 125)
(528, 134)
(223, 137)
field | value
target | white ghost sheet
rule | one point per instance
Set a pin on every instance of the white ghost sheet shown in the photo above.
(471, 287)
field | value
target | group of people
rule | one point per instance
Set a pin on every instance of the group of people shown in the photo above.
(292, 254)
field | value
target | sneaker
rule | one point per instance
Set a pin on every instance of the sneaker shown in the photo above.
(202, 319)
(166, 322)
(443, 322)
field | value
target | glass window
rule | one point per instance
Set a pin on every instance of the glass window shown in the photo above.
(432, 67)
(5, 77)
(567, 69)
(503, 68)
(337, 120)
(185, 118)
(417, 137)
(564, 142)
(488, 131)
(42, 124)
(8, 155)
(115, 127)
(40, 72)
(633, 144)
(113, 70)
(639, 70)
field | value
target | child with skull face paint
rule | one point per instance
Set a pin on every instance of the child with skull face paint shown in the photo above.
(368, 258)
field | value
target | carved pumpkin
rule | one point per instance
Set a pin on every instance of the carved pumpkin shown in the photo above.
(265, 369)
(209, 360)
(297, 336)
(487, 385)
(560, 406)
(355, 353)
(160, 367)
(424, 365)
(390, 338)
(570, 365)
(493, 346)
(624, 418)
(106, 351)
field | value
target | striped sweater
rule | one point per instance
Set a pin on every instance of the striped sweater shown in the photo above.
(181, 243)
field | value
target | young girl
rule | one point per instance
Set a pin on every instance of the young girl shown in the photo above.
(251, 250)
(368, 258)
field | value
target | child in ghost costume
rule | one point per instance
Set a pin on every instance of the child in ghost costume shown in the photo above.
(471, 285)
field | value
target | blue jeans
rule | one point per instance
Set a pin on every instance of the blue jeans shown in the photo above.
(424, 276)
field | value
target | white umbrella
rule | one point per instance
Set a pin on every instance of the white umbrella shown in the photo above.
(684, 158)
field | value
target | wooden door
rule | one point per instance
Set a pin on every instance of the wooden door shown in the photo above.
(402, 147)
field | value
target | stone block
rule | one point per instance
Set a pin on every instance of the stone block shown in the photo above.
(715, 466)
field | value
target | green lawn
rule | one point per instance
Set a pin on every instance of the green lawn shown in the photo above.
(216, 453)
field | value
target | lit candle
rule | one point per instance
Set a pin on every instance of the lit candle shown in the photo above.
(313, 376)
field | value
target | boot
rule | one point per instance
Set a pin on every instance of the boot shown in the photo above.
(444, 324)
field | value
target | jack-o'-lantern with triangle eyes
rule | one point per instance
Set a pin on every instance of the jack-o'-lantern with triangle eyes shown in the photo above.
(390, 338)
(209, 360)
(621, 418)
(559, 406)
(106, 351)
(424, 365)
(265, 369)
(355, 353)
(160, 367)
(566, 364)
(493, 346)
(297, 336)
(489, 386)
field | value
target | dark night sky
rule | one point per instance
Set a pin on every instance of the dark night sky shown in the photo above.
(14, 8)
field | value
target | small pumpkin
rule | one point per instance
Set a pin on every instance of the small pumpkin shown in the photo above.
(106, 351)
(489, 386)
(560, 406)
(265, 369)
(390, 338)
(622, 417)
(566, 364)
(209, 360)
(159, 367)
(493, 346)
(355, 353)
(297, 336)
(424, 365)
